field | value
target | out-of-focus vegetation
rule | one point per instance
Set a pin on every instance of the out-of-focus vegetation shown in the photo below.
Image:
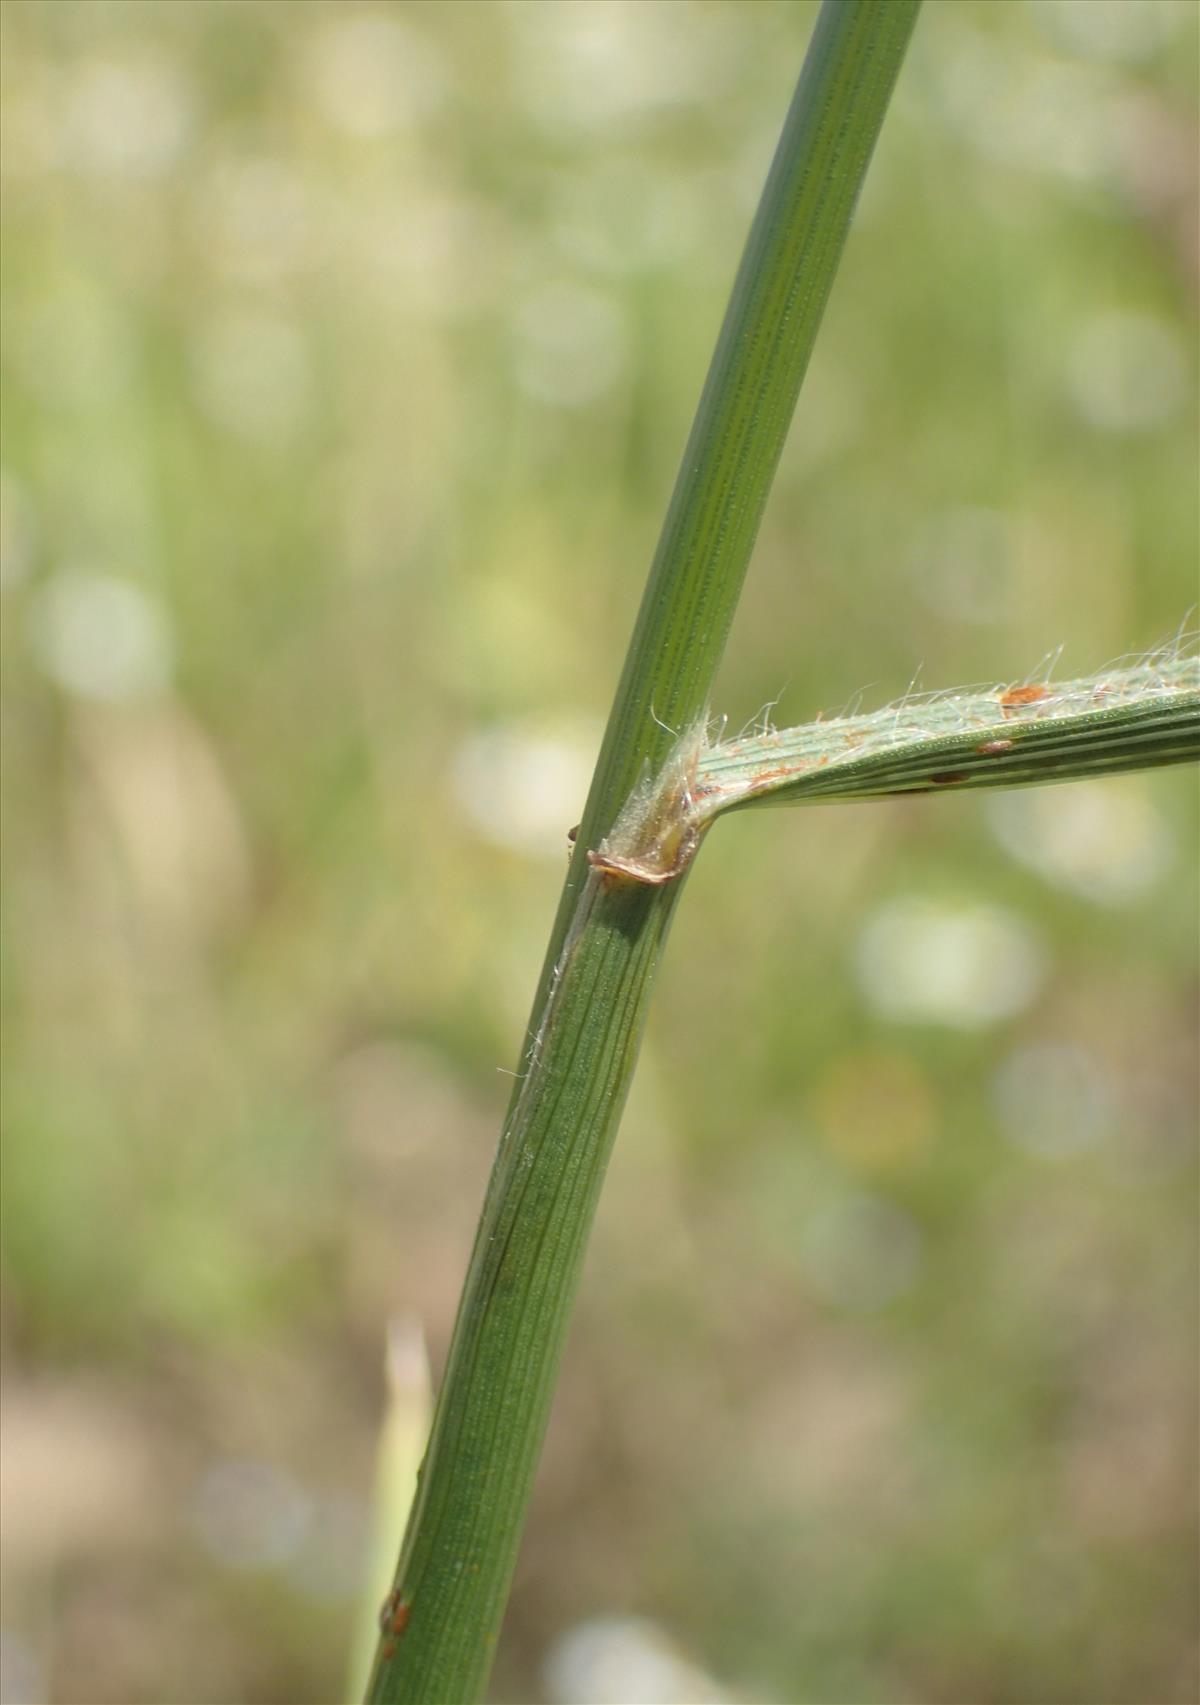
(348, 354)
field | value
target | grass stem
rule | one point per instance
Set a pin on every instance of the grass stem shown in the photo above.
(441, 1623)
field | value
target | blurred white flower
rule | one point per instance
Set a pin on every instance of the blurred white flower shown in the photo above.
(623, 1660)
(250, 1515)
(1128, 30)
(571, 344)
(1026, 109)
(1126, 372)
(125, 118)
(431, 253)
(1053, 1100)
(253, 375)
(101, 637)
(327, 1566)
(603, 65)
(372, 72)
(1101, 839)
(522, 786)
(942, 962)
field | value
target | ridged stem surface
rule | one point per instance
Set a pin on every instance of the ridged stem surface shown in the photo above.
(440, 1626)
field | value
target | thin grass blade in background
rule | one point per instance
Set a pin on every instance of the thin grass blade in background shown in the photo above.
(402, 1442)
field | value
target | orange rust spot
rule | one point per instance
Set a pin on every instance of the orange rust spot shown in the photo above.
(774, 775)
(389, 1651)
(945, 777)
(1014, 697)
(571, 834)
(991, 747)
(393, 1617)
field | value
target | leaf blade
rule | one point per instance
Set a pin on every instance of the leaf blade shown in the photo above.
(1137, 718)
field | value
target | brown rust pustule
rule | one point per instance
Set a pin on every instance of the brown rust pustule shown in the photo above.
(393, 1616)
(1012, 699)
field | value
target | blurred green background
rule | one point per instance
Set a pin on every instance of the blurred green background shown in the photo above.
(349, 351)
